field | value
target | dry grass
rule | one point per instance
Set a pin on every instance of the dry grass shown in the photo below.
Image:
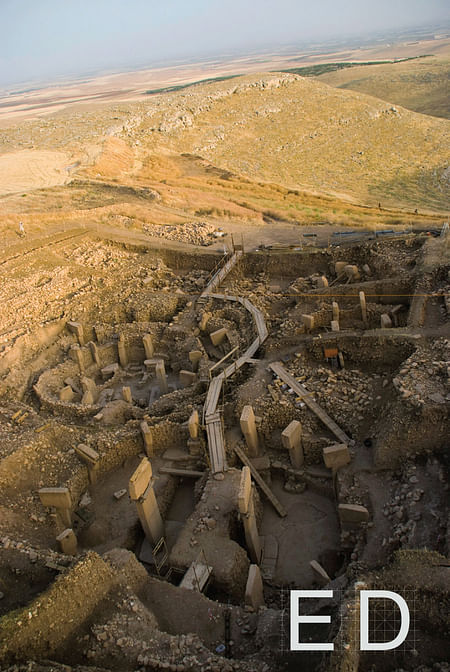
(420, 85)
(253, 150)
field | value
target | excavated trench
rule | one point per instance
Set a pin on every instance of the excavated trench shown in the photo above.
(126, 367)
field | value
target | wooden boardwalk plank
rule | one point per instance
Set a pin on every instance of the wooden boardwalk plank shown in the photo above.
(279, 508)
(302, 392)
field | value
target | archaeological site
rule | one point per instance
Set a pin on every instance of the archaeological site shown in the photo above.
(225, 368)
(187, 436)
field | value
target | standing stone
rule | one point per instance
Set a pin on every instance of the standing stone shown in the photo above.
(142, 493)
(195, 357)
(161, 377)
(254, 593)
(95, 353)
(59, 499)
(334, 325)
(308, 321)
(247, 511)
(204, 320)
(67, 541)
(335, 309)
(126, 394)
(291, 438)
(91, 458)
(248, 427)
(79, 357)
(147, 438)
(362, 303)
(148, 346)
(122, 352)
(193, 424)
(77, 329)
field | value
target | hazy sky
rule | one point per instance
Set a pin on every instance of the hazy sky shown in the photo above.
(47, 38)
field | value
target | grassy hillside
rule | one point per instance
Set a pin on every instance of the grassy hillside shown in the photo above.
(421, 85)
(255, 149)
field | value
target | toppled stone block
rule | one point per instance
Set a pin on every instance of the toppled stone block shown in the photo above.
(351, 272)
(187, 378)
(336, 456)
(109, 371)
(339, 267)
(66, 394)
(87, 399)
(218, 336)
(353, 513)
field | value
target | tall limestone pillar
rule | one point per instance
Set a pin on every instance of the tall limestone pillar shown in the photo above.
(247, 511)
(142, 493)
(248, 427)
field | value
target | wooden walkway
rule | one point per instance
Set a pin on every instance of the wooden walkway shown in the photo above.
(211, 417)
(278, 368)
(221, 274)
(279, 508)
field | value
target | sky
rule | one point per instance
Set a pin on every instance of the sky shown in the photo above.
(44, 39)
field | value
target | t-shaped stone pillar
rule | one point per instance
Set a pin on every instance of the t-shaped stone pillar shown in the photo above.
(91, 458)
(59, 499)
(141, 492)
(291, 438)
(248, 427)
(147, 438)
(148, 346)
(247, 511)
